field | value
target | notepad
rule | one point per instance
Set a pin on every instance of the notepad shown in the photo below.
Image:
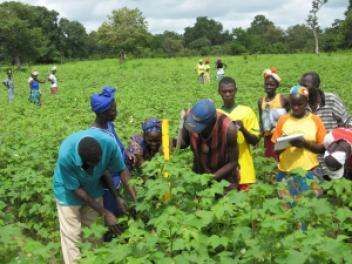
(284, 142)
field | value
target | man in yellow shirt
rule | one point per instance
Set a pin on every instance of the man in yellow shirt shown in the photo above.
(200, 69)
(248, 126)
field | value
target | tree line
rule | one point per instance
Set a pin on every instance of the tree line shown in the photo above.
(34, 34)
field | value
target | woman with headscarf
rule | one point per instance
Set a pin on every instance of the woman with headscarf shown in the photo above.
(338, 153)
(34, 91)
(104, 106)
(144, 147)
(301, 153)
(270, 108)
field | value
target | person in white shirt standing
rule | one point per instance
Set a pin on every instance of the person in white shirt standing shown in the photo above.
(53, 81)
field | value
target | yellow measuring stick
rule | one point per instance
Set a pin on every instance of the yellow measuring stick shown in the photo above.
(165, 143)
(165, 139)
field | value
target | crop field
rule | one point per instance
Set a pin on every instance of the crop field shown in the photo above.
(197, 224)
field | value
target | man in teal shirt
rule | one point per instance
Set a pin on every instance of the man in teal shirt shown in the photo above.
(83, 161)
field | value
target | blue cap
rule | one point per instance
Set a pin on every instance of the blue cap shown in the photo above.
(200, 116)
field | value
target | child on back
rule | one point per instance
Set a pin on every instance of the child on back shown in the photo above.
(271, 107)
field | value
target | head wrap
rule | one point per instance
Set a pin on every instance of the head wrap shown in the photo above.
(152, 124)
(271, 73)
(340, 158)
(53, 68)
(298, 89)
(35, 73)
(102, 102)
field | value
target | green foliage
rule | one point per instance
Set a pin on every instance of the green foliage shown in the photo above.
(74, 39)
(126, 28)
(200, 223)
(205, 28)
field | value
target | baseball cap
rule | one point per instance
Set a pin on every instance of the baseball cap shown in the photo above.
(335, 158)
(201, 115)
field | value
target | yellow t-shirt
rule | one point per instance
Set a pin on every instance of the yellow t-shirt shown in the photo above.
(200, 69)
(274, 103)
(314, 131)
(245, 160)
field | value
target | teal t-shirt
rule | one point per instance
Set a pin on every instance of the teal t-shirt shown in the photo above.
(69, 174)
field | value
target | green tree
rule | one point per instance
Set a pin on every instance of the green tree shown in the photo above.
(346, 31)
(127, 29)
(20, 39)
(205, 29)
(298, 38)
(331, 39)
(74, 39)
(264, 37)
(313, 22)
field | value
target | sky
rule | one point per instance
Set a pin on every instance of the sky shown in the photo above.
(175, 15)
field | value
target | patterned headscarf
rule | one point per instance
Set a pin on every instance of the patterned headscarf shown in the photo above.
(299, 89)
(271, 73)
(151, 124)
(102, 102)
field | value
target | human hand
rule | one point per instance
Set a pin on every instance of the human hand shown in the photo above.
(298, 143)
(111, 223)
(132, 158)
(239, 125)
(122, 205)
(183, 114)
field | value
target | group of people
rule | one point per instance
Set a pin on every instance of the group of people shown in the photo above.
(93, 163)
(203, 70)
(34, 85)
(90, 168)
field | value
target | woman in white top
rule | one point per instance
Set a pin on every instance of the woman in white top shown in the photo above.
(53, 81)
(220, 69)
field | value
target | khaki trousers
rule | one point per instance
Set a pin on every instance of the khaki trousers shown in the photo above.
(71, 219)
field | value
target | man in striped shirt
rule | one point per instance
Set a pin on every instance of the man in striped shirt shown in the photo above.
(328, 106)
(212, 138)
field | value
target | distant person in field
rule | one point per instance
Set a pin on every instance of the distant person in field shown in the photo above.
(328, 106)
(220, 69)
(248, 130)
(206, 74)
(302, 152)
(271, 107)
(143, 147)
(83, 160)
(338, 153)
(212, 138)
(122, 56)
(104, 107)
(52, 79)
(34, 89)
(200, 71)
(8, 82)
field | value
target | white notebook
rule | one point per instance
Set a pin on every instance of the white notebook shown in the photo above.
(284, 141)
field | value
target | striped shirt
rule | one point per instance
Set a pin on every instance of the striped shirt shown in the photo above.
(334, 114)
(213, 153)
